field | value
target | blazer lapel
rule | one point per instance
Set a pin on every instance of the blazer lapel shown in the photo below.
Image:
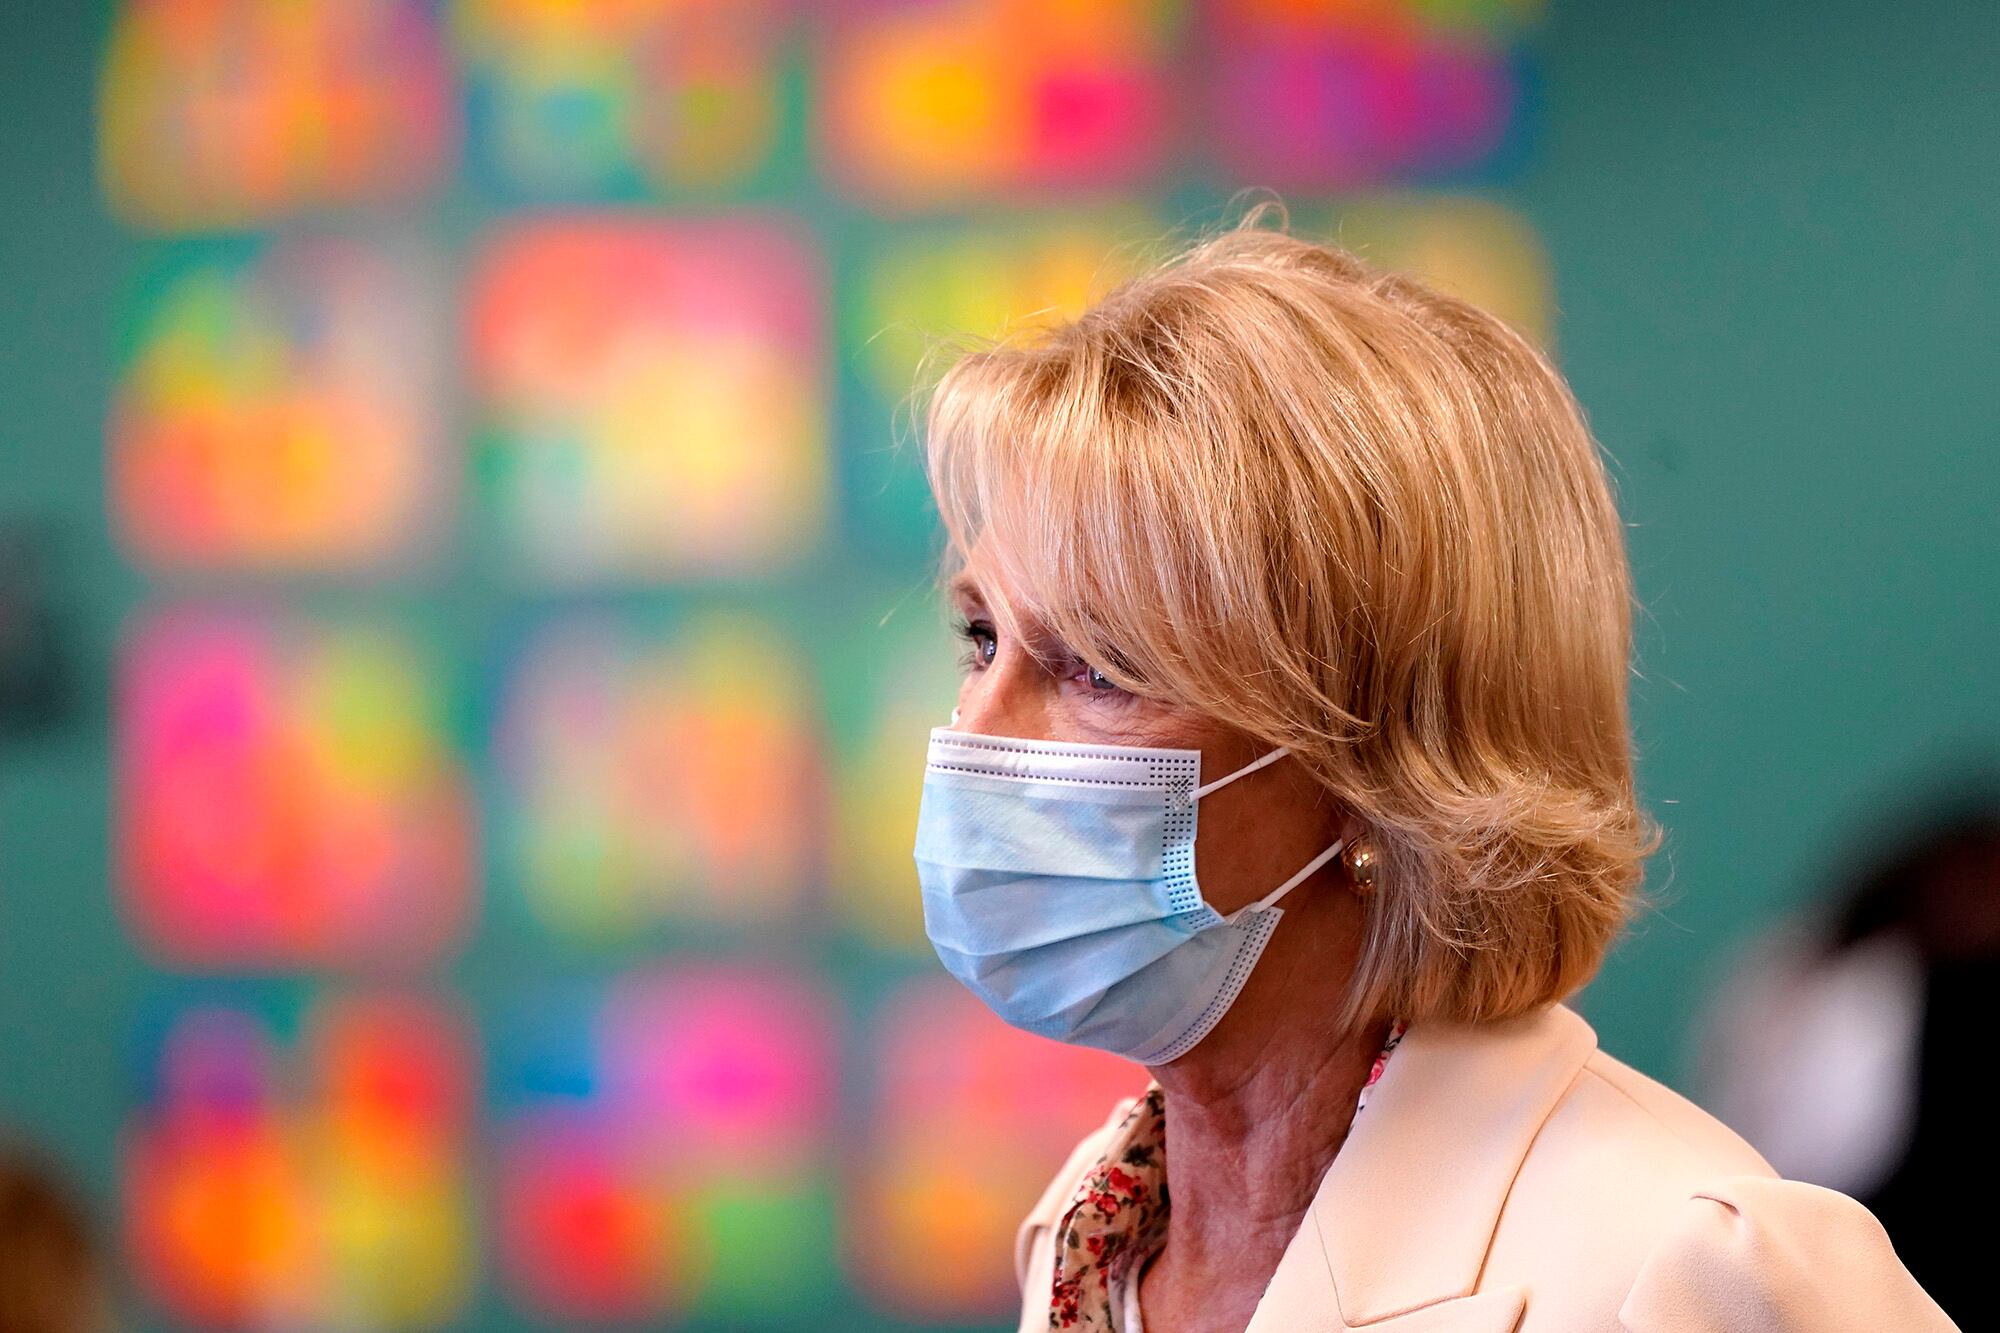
(1301, 1299)
(1398, 1232)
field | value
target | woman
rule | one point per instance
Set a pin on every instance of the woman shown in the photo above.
(1346, 544)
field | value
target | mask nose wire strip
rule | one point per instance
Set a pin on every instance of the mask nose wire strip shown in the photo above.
(1250, 767)
(1289, 884)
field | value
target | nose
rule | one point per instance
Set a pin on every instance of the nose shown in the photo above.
(1002, 700)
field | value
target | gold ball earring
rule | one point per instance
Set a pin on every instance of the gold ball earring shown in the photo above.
(1361, 864)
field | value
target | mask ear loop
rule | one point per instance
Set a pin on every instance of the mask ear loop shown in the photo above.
(1250, 767)
(1268, 899)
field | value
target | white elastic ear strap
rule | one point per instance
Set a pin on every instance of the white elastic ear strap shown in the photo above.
(1250, 767)
(1297, 879)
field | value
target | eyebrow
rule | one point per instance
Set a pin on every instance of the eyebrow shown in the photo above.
(964, 585)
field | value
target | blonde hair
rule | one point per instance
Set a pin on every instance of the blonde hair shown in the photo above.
(1350, 514)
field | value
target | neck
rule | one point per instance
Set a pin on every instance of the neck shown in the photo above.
(1251, 1128)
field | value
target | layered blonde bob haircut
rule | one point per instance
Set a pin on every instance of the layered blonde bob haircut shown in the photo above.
(1343, 512)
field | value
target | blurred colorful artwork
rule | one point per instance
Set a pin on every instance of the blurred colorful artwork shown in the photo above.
(915, 284)
(623, 100)
(278, 411)
(653, 394)
(925, 103)
(659, 773)
(1473, 247)
(691, 570)
(1330, 95)
(665, 1145)
(972, 1119)
(286, 795)
(914, 288)
(222, 114)
(299, 1164)
(907, 683)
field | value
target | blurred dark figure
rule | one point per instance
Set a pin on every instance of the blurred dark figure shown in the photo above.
(36, 689)
(1853, 1045)
(51, 1278)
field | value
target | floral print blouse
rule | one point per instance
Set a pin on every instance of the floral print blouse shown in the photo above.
(1118, 1217)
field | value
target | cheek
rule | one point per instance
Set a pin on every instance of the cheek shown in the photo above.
(1128, 721)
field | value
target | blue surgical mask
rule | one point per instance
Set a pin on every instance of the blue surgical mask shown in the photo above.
(1059, 886)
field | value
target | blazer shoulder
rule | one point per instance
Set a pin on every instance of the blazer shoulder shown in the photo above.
(1635, 1200)
(1608, 1173)
(1705, 1143)
(1767, 1255)
(1618, 1153)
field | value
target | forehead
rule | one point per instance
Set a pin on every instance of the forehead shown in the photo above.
(982, 584)
(978, 581)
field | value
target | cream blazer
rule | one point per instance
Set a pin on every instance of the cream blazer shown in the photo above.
(1512, 1176)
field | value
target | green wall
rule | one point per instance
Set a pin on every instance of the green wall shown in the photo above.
(1774, 230)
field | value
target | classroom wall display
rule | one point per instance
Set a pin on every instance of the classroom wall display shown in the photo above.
(626, 100)
(295, 1157)
(280, 409)
(287, 796)
(244, 113)
(518, 719)
(666, 1144)
(650, 395)
(652, 774)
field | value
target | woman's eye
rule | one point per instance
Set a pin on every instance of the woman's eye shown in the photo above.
(980, 641)
(1097, 680)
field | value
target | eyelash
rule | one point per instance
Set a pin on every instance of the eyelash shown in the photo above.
(972, 631)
